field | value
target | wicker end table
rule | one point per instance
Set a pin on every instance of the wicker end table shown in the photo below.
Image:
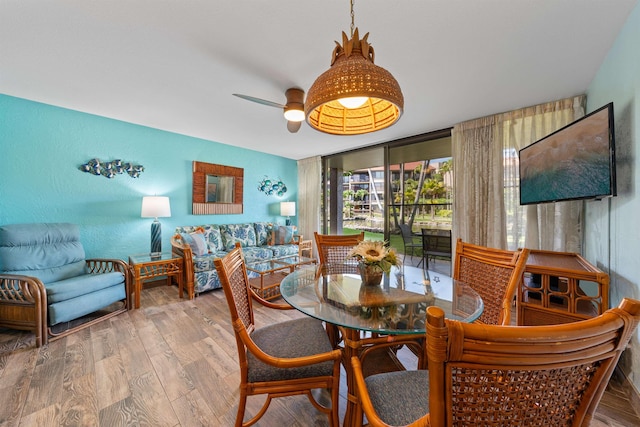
(145, 267)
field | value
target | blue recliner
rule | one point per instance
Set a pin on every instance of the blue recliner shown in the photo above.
(46, 284)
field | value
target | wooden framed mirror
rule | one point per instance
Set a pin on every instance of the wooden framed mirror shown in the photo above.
(217, 189)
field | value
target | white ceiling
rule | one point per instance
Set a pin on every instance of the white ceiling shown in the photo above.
(173, 65)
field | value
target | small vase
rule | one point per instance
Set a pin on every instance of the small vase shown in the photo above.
(371, 275)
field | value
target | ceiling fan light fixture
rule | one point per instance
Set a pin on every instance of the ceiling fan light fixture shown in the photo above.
(294, 114)
(352, 75)
(294, 109)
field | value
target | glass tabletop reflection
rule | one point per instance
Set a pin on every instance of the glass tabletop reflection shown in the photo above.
(396, 306)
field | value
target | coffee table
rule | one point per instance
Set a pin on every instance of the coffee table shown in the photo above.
(265, 275)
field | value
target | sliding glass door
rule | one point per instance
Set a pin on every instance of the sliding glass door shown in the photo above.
(379, 189)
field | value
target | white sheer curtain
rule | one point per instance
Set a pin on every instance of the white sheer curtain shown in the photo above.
(309, 186)
(486, 206)
(548, 226)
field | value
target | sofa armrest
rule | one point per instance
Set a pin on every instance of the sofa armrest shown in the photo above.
(108, 265)
(23, 305)
(183, 250)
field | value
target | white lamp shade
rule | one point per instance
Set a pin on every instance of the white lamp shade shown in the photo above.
(155, 207)
(288, 208)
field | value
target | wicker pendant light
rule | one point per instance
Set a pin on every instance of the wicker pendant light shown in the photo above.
(378, 98)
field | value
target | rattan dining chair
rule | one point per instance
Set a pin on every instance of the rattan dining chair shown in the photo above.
(333, 251)
(494, 274)
(282, 359)
(552, 375)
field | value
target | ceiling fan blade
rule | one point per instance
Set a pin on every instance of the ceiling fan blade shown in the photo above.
(293, 127)
(259, 101)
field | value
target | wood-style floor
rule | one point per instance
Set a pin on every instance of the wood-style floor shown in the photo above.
(170, 363)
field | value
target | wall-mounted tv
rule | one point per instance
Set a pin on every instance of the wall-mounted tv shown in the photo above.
(573, 163)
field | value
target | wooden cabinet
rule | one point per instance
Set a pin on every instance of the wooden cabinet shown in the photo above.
(560, 287)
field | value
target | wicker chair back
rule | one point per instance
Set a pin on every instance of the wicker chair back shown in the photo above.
(492, 273)
(333, 251)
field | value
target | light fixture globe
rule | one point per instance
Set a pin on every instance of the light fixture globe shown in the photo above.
(294, 109)
(353, 74)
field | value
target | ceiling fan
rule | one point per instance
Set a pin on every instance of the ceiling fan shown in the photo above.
(293, 109)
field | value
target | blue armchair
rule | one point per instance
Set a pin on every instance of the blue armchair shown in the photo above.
(48, 287)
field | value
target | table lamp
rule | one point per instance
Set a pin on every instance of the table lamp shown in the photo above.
(155, 207)
(288, 209)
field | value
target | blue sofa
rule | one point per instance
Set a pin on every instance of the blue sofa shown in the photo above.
(199, 245)
(46, 282)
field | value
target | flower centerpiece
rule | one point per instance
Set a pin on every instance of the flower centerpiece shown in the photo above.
(374, 259)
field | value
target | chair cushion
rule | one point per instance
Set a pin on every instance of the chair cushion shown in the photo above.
(74, 308)
(205, 262)
(257, 253)
(263, 231)
(48, 251)
(292, 338)
(284, 250)
(81, 285)
(211, 235)
(244, 234)
(399, 398)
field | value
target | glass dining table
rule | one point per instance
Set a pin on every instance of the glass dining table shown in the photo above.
(393, 312)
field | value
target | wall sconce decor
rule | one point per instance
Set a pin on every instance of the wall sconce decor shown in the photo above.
(112, 168)
(272, 187)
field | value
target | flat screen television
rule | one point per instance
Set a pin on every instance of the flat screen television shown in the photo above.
(573, 163)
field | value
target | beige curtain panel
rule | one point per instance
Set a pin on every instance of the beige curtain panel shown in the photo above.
(486, 206)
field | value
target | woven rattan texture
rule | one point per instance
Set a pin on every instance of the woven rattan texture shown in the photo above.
(490, 281)
(354, 76)
(334, 251)
(237, 280)
(10, 291)
(337, 261)
(500, 397)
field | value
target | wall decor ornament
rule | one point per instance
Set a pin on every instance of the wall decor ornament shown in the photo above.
(272, 187)
(217, 189)
(112, 168)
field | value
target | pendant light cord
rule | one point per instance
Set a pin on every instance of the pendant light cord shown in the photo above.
(352, 19)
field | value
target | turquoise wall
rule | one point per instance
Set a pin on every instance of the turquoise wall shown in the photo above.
(612, 232)
(42, 147)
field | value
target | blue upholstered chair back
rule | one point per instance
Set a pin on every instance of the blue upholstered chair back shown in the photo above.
(48, 251)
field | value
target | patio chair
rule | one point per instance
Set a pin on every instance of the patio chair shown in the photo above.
(436, 244)
(494, 274)
(503, 375)
(282, 359)
(410, 244)
(333, 251)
